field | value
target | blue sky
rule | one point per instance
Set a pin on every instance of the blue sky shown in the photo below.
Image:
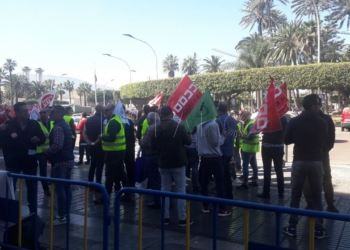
(70, 36)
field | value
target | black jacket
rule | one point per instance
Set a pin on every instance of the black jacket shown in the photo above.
(21, 151)
(168, 140)
(329, 144)
(276, 137)
(308, 132)
(139, 126)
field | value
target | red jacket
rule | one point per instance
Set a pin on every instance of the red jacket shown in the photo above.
(80, 127)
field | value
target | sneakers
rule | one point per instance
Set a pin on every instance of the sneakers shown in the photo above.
(205, 210)
(166, 221)
(237, 181)
(332, 209)
(321, 234)
(182, 223)
(291, 231)
(223, 213)
(57, 221)
(262, 195)
(243, 187)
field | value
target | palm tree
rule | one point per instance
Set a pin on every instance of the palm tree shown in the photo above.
(311, 8)
(253, 52)
(69, 86)
(18, 86)
(10, 66)
(38, 89)
(261, 12)
(50, 83)
(212, 64)
(86, 90)
(170, 65)
(190, 65)
(79, 91)
(60, 90)
(287, 44)
(3, 73)
(340, 12)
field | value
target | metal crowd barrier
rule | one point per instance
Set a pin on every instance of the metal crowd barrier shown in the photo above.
(278, 210)
(52, 181)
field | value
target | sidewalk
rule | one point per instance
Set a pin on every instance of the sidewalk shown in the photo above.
(230, 230)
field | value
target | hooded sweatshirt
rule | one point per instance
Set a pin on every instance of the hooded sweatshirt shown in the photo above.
(209, 139)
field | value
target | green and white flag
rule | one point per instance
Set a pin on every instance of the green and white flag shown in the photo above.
(204, 111)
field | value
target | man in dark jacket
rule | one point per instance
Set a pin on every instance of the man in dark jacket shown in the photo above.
(327, 177)
(62, 160)
(129, 159)
(308, 132)
(272, 149)
(93, 128)
(146, 110)
(22, 136)
(168, 140)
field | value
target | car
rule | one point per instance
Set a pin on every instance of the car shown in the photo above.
(76, 120)
(345, 119)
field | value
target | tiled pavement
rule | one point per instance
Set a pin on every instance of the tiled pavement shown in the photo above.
(230, 230)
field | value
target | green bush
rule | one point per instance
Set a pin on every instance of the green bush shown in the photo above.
(327, 76)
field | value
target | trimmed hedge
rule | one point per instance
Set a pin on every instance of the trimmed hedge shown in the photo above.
(327, 76)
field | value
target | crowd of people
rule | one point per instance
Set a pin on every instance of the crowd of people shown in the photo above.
(216, 150)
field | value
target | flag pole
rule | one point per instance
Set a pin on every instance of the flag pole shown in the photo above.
(95, 85)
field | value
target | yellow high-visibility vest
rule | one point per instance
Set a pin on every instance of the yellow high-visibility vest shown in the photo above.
(119, 144)
(144, 128)
(250, 146)
(39, 149)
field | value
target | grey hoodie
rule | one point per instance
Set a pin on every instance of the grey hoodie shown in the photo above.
(209, 139)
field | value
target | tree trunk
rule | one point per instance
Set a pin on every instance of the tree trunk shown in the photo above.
(296, 104)
(84, 99)
(69, 98)
(80, 100)
(326, 103)
(338, 100)
(61, 97)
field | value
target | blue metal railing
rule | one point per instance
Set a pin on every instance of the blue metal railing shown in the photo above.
(278, 210)
(101, 188)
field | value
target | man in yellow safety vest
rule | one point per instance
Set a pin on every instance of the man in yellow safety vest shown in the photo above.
(249, 146)
(46, 126)
(114, 145)
(69, 120)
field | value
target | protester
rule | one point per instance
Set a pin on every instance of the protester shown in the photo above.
(327, 177)
(5, 116)
(227, 125)
(145, 123)
(69, 120)
(209, 141)
(82, 142)
(62, 161)
(193, 161)
(93, 128)
(114, 145)
(154, 179)
(46, 126)
(141, 120)
(22, 137)
(272, 149)
(249, 146)
(308, 132)
(168, 140)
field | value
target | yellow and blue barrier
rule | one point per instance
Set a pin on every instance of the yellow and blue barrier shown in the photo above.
(87, 185)
(278, 210)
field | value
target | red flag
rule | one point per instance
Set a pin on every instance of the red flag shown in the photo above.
(268, 118)
(184, 98)
(47, 100)
(13, 114)
(157, 100)
(284, 89)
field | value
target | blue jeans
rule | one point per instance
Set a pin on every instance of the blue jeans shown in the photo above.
(179, 176)
(42, 159)
(313, 170)
(193, 160)
(63, 191)
(249, 158)
(212, 166)
(153, 176)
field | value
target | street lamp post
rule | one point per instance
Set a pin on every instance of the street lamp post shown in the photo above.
(104, 95)
(123, 61)
(149, 46)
